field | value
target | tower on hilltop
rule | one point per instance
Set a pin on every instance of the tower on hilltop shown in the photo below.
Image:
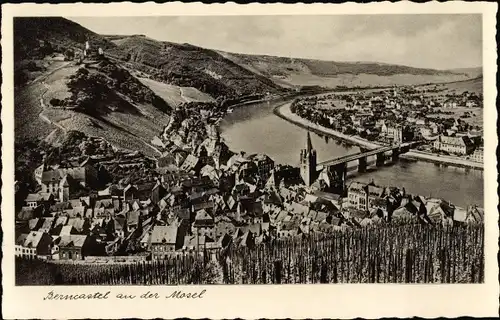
(308, 162)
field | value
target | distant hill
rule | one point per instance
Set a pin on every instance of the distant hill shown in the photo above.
(470, 72)
(190, 66)
(297, 72)
(57, 34)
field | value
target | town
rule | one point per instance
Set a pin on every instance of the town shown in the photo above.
(92, 202)
(445, 121)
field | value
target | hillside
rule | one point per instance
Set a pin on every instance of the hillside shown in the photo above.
(299, 72)
(100, 99)
(473, 85)
(108, 97)
(37, 37)
(190, 66)
(472, 73)
(175, 95)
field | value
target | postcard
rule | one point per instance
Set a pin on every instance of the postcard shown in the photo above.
(251, 161)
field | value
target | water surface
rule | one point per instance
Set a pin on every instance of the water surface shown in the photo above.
(256, 129)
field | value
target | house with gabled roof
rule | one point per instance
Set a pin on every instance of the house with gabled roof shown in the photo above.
(119, 226)
(203, 224)
(201, 243)
(77, 247)
(33, 244)
(191, 163)
(82, 225)
(35, 224)
(475, 214)
(27, 213)
(224, 227)
(459, 215)
(166, 239)
(247, 240)
(47, 225)
(362, 196)
(461, 145)
(288, 229)
(34, 200)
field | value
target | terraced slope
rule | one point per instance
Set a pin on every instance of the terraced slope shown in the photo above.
(186, 65)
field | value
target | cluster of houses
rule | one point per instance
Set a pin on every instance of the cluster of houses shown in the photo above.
(368, 203)
(199, 197)
(398, 117)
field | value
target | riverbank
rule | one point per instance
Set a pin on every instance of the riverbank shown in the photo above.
(275, 98)
(283, 111)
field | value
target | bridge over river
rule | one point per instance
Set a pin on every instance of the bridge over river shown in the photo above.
(338, 166)
(396, 150)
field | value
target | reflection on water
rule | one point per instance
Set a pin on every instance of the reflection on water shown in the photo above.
(255, 129)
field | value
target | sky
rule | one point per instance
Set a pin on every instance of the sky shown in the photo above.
(421, 40)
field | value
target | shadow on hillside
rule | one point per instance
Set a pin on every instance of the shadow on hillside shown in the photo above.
(112, 125)
(107, 102)
(161, 104)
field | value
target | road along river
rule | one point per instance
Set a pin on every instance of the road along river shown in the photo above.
(254, 128)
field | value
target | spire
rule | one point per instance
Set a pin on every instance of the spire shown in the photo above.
(309, 143)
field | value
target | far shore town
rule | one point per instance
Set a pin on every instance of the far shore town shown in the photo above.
(448, 124)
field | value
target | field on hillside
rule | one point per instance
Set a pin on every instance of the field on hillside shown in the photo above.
(476, 119)
(473, 85)
(366, 80)
(124, 131)
(191, 94)
(175, 95)
(27, 108)
(459, 87)
(56, 81)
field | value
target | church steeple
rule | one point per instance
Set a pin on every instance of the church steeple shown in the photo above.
(308, 162)
(309, 143)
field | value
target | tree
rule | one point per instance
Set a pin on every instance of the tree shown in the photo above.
(69, 54)
(56, 102)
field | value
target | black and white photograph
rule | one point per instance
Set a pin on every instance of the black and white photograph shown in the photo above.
(178, 150)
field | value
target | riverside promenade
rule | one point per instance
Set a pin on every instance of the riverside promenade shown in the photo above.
(283, 111)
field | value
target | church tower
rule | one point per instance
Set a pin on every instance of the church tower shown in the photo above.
(308, 162)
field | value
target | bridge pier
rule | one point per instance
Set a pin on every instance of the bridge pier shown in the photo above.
(362, 164)
(380, 159)
(395, 155)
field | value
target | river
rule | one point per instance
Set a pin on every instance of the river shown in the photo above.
(255, 128)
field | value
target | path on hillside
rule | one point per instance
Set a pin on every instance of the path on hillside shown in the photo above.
(42, 97)
(51, 72)
(58, 126)
(181, 93)
(151, 146)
